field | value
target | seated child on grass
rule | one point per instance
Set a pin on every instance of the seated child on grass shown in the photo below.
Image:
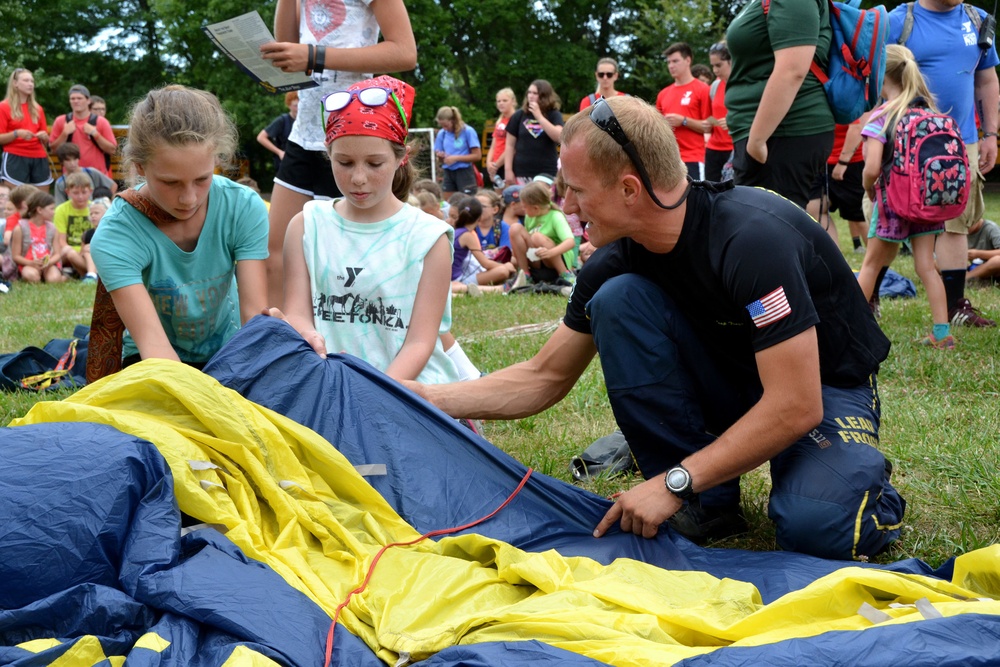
(98, 208)
(72, 219)
(493, 232)
(545, 245)
(34, 242)
(471, 269)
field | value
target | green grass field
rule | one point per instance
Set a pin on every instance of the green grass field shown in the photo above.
(940, 419)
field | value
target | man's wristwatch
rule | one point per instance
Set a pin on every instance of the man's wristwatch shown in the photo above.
(678, 482)
(685, 121)
(987, 135)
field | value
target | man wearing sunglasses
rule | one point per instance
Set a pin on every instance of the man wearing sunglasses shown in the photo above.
(730, 334)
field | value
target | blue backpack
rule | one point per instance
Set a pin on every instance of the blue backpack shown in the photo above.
(853, 79)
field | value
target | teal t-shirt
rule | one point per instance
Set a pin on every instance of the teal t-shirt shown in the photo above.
(752, 39)
(555, 226)
(194, 293)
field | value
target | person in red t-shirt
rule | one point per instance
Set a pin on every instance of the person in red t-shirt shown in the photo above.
(606, 75)
(96, 141)
(686, 105)
(719, 149)
(839, 188)
(23, 134)
(506, 105)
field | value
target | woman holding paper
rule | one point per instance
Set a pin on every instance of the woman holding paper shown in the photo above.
(337, 48)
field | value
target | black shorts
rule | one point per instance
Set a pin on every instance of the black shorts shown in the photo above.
(792, 164)
(459, 180)
(845, 195)
(26, 170)
(307, 172)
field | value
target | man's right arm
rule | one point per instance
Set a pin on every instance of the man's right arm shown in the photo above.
(520, 390)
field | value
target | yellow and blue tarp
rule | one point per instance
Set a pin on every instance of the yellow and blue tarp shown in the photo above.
(292, 472)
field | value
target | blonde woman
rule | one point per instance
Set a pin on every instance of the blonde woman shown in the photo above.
(23, 134)
(506, 105)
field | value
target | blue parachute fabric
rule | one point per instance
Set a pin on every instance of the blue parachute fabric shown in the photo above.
(429, 460)
(968, 640)
(90, 545)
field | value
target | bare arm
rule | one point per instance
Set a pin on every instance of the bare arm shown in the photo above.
(298, 290)
(251, 285)
(987, 94)
(520, 390)
(873, 165)
(790, 68)
(472, 157)
(143, 322)
(266, 142)
(851, 143)
(396, 52)
(553, 131)
(510, 178)
(471, 241)
(433, 292)
(791, 405)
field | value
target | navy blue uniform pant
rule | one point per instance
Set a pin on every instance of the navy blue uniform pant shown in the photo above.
(830, 490)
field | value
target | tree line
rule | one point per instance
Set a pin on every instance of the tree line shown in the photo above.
(467, 50)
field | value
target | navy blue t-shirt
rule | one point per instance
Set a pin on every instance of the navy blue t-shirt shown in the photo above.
(751, 270)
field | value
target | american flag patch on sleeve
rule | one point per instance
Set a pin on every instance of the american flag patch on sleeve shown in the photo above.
(769, 309)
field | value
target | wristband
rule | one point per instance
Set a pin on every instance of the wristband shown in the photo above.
(987, 135)
(685, 121)
(320, 64)
(843, 163)
(309, 59)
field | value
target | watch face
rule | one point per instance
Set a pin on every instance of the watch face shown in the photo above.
(677, 479)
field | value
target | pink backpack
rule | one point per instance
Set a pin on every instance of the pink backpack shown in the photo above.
(928, 178)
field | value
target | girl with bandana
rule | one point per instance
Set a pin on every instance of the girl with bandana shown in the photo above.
(368, 274)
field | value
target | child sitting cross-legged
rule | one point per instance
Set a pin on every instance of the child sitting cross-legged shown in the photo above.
(34, 244)
(72, 220)
(545, 243)
(471, 270)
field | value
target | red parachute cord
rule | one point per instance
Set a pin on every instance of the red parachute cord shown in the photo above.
(433, 533)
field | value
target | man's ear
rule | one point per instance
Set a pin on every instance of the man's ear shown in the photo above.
(631, 187)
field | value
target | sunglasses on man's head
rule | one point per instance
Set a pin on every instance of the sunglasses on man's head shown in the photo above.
(370, 97)
(605, 75)
(604, 118)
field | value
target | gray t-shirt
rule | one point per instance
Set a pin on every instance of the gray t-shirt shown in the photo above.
(987, 238)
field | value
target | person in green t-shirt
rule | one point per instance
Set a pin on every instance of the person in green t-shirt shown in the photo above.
(778, 115)
(545, 240)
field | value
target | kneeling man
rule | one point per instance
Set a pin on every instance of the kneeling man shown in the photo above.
(731, 333)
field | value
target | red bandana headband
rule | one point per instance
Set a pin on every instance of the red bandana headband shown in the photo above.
(383, 121)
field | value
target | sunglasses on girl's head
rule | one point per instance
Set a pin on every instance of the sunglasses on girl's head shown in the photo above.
(370, 97)
(604, 118)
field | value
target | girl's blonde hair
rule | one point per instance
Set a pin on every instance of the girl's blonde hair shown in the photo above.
(496, 201)
(509, 92)
(103, 202)
(15, 104)
(537, 193)
(178, 116)
(455, 116)
(901, 68)
(38, 200)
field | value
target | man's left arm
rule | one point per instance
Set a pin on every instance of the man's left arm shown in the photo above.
(791, 405)
(987, 100)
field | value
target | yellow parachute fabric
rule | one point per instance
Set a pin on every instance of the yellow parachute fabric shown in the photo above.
(288, 498)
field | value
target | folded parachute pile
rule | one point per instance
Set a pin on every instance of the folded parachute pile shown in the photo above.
(298, 471)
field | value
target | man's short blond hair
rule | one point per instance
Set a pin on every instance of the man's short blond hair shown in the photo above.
(650, 134)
